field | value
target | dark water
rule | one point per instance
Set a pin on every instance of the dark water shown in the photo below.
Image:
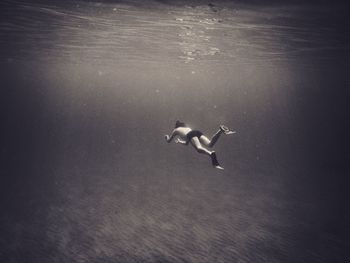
(89, 89)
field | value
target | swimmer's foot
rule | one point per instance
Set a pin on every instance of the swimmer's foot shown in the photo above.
(219, 167)
(215, 162)
(226, 130)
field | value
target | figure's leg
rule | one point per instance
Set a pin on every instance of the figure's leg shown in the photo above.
(215, 162)
(200, 149)
(210, 143)
(216, 136)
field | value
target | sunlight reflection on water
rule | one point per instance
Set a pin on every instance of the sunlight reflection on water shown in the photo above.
(181, 34)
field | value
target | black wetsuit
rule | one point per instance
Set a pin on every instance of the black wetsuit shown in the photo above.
(194, 133)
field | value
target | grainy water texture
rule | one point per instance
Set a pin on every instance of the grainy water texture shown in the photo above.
(89, 89)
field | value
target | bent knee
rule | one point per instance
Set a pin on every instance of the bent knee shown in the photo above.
(200, 149)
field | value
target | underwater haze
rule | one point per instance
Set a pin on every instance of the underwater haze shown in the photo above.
(90, 88)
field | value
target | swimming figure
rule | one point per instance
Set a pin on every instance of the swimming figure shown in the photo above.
(198, 139)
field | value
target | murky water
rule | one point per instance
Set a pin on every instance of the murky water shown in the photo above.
(90, 88)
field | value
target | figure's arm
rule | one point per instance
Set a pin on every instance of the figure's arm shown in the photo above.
(181, 141)
(169, 138)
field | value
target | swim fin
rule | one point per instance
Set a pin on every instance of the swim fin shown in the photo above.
(226, 130)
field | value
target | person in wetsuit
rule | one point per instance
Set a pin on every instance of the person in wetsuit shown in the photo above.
(197, 139)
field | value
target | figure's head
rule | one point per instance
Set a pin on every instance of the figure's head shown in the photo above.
(179, 124)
